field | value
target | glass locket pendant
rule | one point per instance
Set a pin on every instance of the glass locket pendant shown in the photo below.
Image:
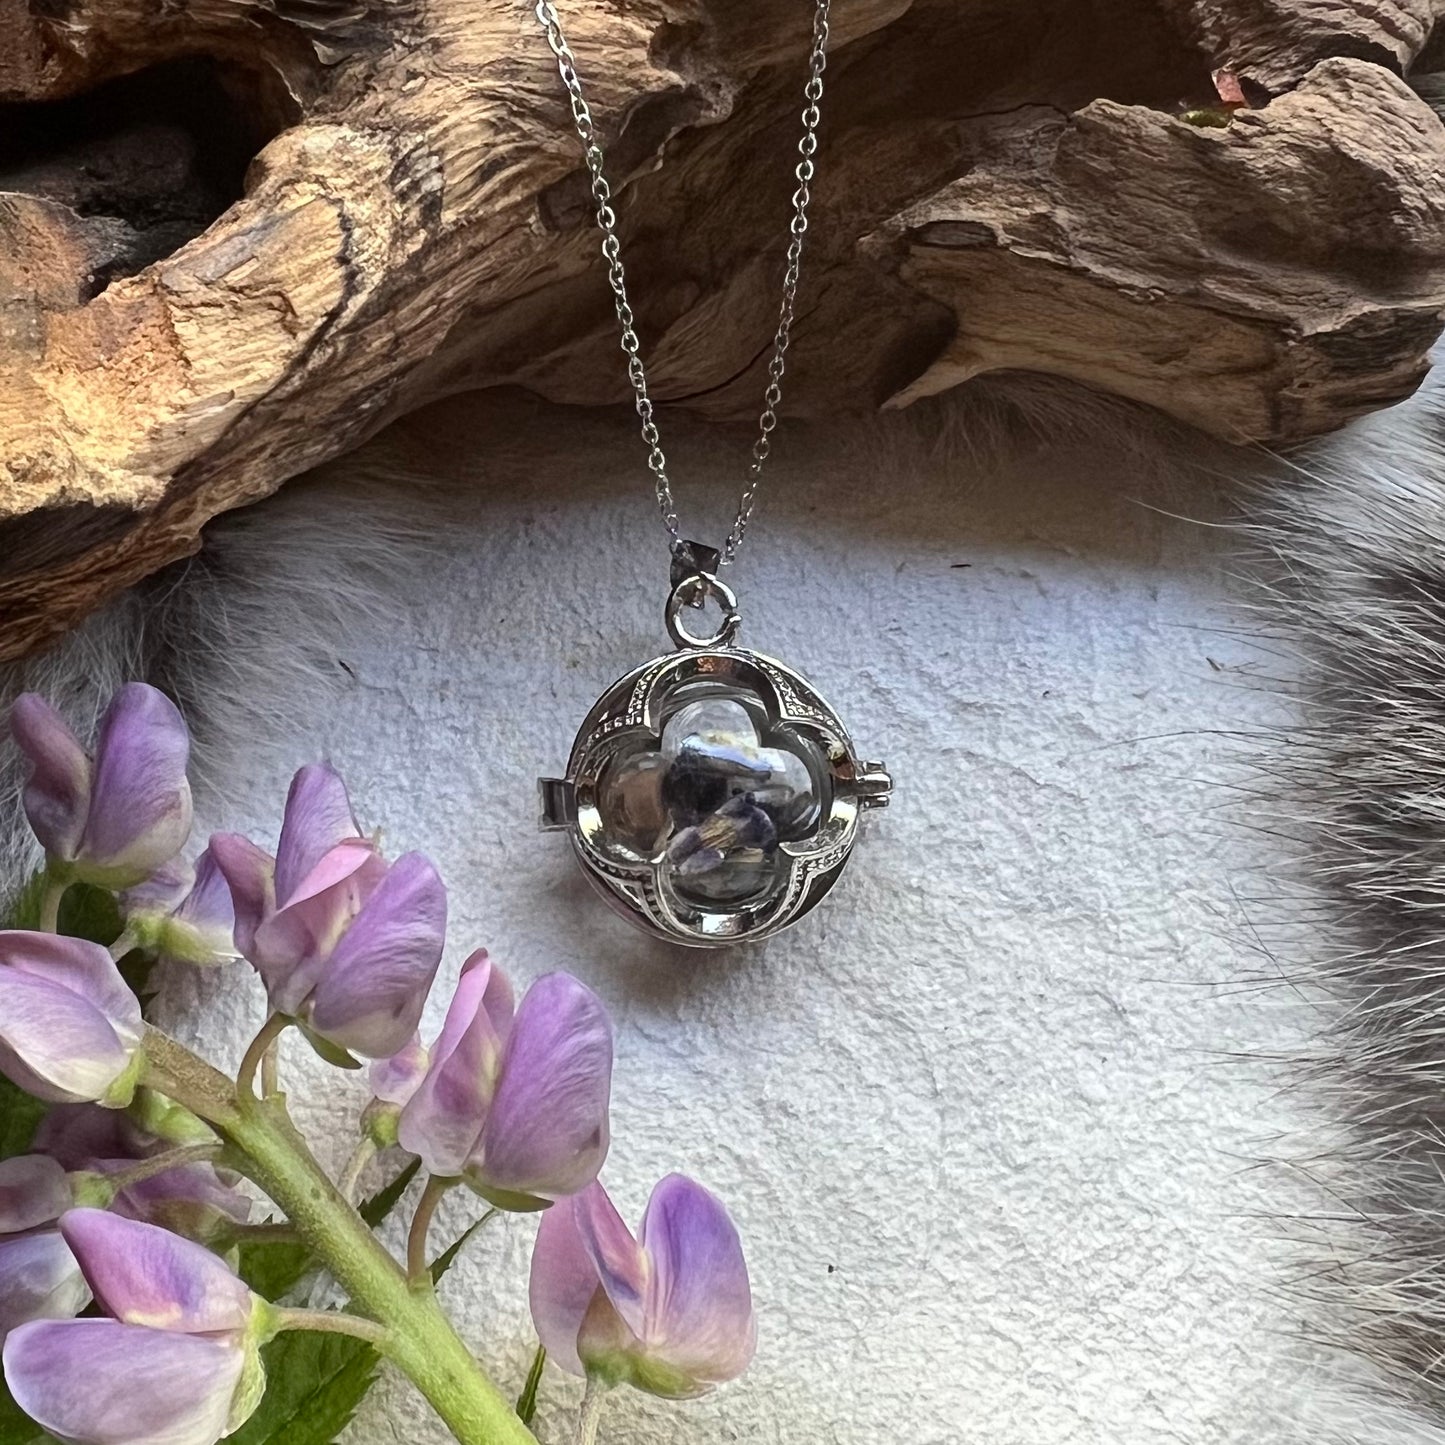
(712, 796)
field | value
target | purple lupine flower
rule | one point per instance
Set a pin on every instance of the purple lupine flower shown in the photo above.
(177, 1361)
(184, 912)
(671, 1313)
(39, 1277)
(345, 944)
(70, 1028)
(117, 818)
(197, 1200)
(515, 1102)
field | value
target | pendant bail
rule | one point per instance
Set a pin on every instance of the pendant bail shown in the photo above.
(693, 559)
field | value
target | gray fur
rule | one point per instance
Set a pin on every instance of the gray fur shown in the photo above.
(1352, 590)
(1351, 596)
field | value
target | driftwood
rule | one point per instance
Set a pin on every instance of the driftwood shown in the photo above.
(239, 236)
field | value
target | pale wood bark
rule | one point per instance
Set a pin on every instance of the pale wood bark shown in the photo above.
(1005, 185)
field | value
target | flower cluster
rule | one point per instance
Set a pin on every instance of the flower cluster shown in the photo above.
(346, 944)
(129, 1195)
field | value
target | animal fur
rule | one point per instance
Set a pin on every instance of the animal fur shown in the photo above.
(1347, 584)
(1349, 554)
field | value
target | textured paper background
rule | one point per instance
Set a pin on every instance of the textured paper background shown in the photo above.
(983, 1119)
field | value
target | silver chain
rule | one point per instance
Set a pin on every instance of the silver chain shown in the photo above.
(617, 279)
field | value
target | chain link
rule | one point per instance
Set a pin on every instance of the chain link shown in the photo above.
(617, 277)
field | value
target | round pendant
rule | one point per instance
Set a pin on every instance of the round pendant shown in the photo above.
(712, 796)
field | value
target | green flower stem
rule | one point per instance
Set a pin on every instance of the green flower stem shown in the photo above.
(331, 1322)
(416, 1265)
(123, 945)
(350, 1180)
(161, 1163)
(590, 1414)
(256, 1053)
(260, 1234)
(52, 890)
(267, 1148)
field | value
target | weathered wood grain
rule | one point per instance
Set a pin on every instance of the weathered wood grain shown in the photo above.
(1006, 184)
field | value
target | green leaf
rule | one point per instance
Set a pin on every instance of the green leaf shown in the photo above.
(527, 1400)
(380, 1205)
(334, 1054)
(444, 1261)
(85, 910)
(90, 912)
(275, 1268)
(314, 1383)
(20, 1114)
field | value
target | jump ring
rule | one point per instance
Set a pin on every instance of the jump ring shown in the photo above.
(686, 594)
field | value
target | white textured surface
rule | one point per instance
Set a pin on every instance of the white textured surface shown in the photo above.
(982, 1118)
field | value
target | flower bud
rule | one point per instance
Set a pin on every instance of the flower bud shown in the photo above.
(671, 1313)
(70, 1028)
(178, 1359)
(117, 818)
(184, 913)
(517, 1105)
(393, 1082)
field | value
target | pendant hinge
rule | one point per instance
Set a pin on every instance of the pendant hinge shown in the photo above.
(873, 785)
(559, 803)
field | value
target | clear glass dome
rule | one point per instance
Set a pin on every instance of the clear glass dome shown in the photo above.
(711, 803)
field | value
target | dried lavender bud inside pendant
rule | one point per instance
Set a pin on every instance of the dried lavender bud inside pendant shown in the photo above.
(712, 796)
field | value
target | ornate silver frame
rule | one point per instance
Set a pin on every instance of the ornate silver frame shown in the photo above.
(637, 887)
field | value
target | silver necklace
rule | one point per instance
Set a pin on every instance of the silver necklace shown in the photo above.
(712, 796)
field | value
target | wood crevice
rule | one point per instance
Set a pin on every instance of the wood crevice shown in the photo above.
(1006, 186)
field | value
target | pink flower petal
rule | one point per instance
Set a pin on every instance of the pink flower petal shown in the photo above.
(443, 1119)
(140, 806)
(33, 1191)
(57, 793)
(563, 1284)
(163, 891)
(318, 817)
(186, 912)
(292, 947)
(699, 1303)
(77, 1135)
(39, 1280)
(546, 1133)
(192, 1200)
(394, 1080)
(371, 995)
(54, 1045)
(144, 1275)
(69, 1026)
(79, 966)
(618, 1261)
(207, 908)
(99, 1382)
(250, 874)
